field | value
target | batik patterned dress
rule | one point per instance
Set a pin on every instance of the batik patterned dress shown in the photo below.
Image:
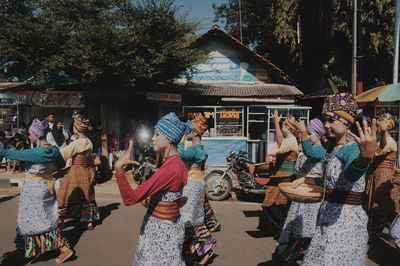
(198, 239)
(160, 240)
(341, 235)
(302, 217)
(37, 222)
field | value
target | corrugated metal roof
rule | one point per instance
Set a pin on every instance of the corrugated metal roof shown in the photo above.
(9, 85)
(242, 90)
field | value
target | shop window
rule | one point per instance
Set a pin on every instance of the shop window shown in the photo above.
(222, 121)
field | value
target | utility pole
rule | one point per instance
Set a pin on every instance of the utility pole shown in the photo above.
(396, 67)
(360, 57)
(396, 43)
(354, 61)
(240, 21)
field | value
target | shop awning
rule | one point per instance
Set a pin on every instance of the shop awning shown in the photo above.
(242, 90)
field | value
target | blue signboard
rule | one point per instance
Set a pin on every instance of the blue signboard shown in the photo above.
(218, 149)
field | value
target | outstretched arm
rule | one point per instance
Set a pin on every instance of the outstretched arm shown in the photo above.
(36, 155)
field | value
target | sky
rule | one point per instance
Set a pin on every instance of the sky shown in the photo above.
(200, 10)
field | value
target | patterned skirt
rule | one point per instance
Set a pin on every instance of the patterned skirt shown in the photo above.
(198, 239)
(210, 220)
(341, 236)
(37, 225)
(160, 243)
(76, 196)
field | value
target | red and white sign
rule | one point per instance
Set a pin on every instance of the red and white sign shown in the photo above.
(63, 99)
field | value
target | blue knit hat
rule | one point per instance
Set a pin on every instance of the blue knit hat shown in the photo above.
(172, 128)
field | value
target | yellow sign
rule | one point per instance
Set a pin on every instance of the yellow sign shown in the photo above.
(229, 114)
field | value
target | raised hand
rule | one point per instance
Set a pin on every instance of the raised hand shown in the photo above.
(276, 116)
(366, 140)
(125, 159)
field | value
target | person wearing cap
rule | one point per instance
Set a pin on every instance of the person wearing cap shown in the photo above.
(382, 198)
(199, 243)
(275, 204)
(76, 196)
(301, 219)
(162, 232)
(341, 235)
(37, 223)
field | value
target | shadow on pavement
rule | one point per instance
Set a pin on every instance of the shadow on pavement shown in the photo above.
(2, 199)
(382, 253)
(105, 211)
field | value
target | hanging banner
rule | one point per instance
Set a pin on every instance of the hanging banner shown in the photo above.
(62, 99)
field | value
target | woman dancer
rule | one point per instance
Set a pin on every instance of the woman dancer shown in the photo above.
(76, 196)
(198, 240)
(383, 201)
(162, 233)
(341, 235)
(301, 220)
(275, 205)
(37, 222)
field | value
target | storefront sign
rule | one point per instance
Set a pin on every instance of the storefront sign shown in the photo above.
(8, 98)
(166, 97)
(63, 99)
(229, 116)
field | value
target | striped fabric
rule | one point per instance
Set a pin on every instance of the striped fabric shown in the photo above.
(172, 128)
(343, 196)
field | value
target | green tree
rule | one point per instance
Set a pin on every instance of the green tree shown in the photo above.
(272, 28)
(97, 42)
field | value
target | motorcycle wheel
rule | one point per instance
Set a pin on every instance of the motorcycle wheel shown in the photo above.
(217, 187)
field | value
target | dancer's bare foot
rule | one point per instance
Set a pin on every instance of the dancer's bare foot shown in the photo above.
(66, 253)
(125, 159)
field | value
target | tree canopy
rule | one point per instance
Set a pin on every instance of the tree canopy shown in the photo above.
(95, 42)
(301, 36)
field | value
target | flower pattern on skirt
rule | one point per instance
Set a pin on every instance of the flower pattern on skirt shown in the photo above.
(302, 217)
(38, 210)
(161, 241)
(192, 213)
(341, 236)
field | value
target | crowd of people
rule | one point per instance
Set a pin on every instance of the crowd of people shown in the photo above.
(351, 158)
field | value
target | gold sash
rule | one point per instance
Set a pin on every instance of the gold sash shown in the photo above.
(46, 178)
(195, 174)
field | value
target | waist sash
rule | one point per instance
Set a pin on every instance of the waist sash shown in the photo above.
(343, 196)
(165, 210)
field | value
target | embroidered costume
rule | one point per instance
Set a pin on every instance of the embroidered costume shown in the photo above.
(162, 232)
(37, 222)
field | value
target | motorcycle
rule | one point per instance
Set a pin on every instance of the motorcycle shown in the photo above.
(219, 183)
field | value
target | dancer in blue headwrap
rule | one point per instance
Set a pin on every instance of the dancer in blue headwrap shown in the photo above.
(162, 232)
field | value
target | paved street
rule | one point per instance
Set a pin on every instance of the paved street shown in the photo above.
(114, 240)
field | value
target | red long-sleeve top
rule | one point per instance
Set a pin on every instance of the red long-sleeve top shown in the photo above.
(171, 176)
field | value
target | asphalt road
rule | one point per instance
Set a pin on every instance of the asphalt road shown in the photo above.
(114, 240)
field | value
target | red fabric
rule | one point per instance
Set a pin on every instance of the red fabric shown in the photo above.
(171, 176)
